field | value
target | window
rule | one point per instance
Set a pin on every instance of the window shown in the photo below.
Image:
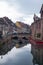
(38, 35)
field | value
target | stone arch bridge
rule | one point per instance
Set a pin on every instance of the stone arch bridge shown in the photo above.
(21, 35)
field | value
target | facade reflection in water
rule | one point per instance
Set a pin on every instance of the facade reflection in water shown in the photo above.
(19, 53)
(37, 52)
(6, 47)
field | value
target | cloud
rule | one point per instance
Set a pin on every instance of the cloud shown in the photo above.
(20, 10)
(10, 11)
(13, 13)
(30, 6)
(28, 19)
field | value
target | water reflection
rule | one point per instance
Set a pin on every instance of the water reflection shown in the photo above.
(37, 52)
(21, 52)
(6, 47)
(18, 55)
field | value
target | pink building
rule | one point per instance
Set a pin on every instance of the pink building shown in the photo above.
(37, 26)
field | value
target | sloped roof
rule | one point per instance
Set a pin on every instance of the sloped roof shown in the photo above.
(41, 8)
(36, 18)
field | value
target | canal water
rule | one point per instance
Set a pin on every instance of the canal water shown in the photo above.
(22, 54)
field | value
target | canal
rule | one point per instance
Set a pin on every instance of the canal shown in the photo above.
(21, 54)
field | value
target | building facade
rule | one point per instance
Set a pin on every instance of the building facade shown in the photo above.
(37, 26)
(5, 26)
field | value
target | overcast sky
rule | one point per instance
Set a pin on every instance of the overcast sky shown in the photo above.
(21, 10)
